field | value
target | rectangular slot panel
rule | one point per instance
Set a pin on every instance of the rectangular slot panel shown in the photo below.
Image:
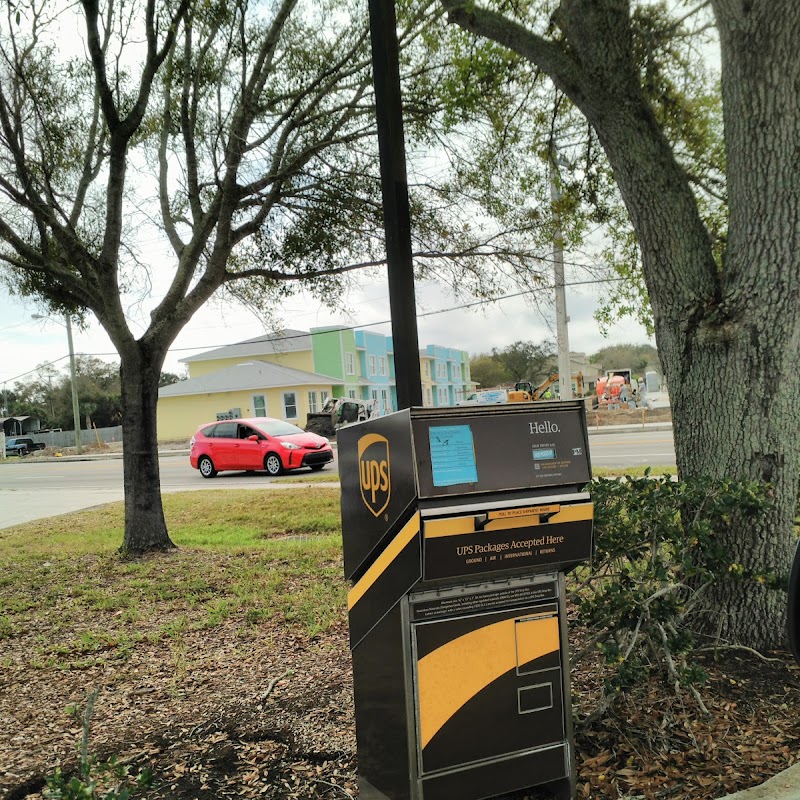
(538, 697)
(529, 634)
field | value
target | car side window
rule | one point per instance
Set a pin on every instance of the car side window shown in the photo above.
(225, 430)
(209, 431)
(246, 430)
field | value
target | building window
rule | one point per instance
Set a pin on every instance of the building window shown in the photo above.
(259, 405)
(323, 396)
(312, 402)
(351, 393)
(385, 405)
(372, 365)
(382, 365)
(430, 396)
(290, 405)
(350, 363)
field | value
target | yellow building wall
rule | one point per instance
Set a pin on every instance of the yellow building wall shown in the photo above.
(179, 417)
(301, 359)
(426, 378)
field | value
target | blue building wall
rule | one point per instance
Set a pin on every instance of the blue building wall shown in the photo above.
(448, 377)
(373, 352)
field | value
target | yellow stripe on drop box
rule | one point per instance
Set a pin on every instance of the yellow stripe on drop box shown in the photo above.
(395, 547)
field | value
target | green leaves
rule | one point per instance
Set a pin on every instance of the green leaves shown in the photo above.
(657, 552)
(520, 361)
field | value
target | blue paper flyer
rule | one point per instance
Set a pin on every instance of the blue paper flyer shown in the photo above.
(452, 455)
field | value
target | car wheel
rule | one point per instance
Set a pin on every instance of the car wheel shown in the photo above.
(206, 467)
(317, 467)
(272, 464)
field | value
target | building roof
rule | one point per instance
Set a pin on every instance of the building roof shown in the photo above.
(249, 375)
(284, 341)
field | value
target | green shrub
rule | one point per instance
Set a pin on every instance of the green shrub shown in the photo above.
(657, 552)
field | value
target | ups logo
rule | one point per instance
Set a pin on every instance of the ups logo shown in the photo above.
(373, 465)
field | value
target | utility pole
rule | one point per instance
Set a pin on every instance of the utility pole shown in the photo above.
(396, 214)
(562, 333)
(76, 415)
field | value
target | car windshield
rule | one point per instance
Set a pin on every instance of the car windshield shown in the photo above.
(276, 427)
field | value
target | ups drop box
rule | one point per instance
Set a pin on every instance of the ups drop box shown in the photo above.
(458, 526)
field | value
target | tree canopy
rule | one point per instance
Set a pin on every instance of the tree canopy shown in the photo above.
(519, 361)
(638, 357)
(47, 395)
(182, 150)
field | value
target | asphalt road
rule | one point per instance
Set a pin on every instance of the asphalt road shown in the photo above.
(632, 448)
(31, 489)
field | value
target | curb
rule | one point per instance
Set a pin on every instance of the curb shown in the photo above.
(648, 426)
(92, 457)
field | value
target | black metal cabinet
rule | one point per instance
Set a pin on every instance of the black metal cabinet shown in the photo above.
(458, 526)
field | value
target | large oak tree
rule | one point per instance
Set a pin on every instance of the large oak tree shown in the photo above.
(241, 135)
(726, 310)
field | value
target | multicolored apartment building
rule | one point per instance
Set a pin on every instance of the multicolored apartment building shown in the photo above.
(291, 373)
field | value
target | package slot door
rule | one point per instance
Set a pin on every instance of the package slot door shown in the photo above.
(508, 539)
(467, 677)
(555, 515)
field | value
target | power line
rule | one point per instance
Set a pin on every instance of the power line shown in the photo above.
(39, 366)
(337, 329)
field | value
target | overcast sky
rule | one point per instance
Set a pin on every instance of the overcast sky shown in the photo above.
(26, 343)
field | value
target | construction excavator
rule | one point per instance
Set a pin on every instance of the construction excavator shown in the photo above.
(538, 392)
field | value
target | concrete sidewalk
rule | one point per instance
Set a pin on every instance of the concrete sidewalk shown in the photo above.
(784, 786)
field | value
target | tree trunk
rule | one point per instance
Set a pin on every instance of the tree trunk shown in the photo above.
(145, 526)
(729, 337)
(745, 355)
(735, 419)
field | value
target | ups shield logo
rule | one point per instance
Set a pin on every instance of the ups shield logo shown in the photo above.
(375, 477)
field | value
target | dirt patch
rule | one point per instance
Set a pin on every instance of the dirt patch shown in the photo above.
(599, 417)
(245, 711)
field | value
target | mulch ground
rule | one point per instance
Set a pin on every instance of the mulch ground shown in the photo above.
(259, 712)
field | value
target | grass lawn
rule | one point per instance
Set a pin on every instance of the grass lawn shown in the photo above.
(254, 593)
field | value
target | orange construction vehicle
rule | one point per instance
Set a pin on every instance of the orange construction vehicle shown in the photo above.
(615, 389)
(539, 392)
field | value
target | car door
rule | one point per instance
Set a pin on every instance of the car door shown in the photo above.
(248, 454)
(223, 445)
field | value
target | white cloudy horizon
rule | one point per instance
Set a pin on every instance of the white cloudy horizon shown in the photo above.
(28, 343)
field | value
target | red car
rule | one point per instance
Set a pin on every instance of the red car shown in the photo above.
(262, 443)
